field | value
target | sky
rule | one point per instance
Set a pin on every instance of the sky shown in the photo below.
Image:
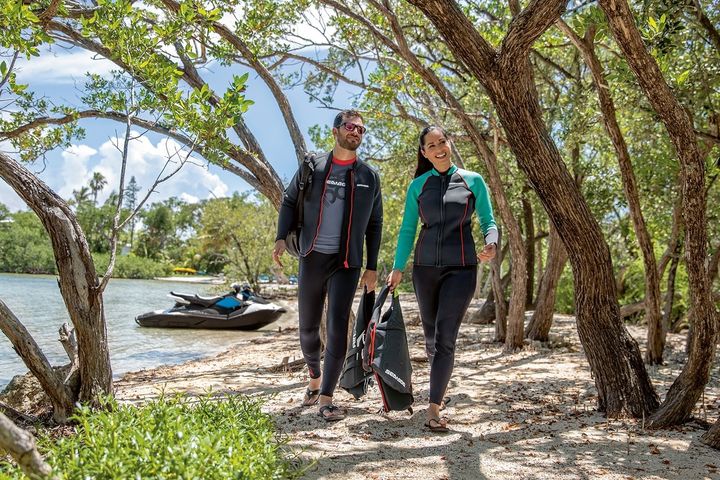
(59, 74)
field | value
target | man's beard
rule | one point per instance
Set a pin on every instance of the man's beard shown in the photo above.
(344, 143)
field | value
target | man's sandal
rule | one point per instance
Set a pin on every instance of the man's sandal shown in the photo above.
(331, 413)
(311, 397)
(435, 425)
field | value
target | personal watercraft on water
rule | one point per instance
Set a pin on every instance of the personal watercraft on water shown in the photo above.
(239, 309)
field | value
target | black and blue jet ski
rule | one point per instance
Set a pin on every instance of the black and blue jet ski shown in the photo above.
(240, 309)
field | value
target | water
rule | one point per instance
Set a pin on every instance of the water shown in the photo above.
(36, 301)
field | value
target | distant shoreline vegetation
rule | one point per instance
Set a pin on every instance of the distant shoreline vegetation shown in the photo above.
(127, 266)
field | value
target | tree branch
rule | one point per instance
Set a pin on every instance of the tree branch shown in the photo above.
(35, 360)
(527, 27)
(21, 445)
(707, 24)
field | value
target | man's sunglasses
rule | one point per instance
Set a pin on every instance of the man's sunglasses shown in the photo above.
(349, 126)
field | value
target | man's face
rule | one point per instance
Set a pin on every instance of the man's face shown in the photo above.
(349, 134)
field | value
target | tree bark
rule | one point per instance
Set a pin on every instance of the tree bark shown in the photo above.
(623, 385)
(21, 445)
(529, 222)
(656, 334)
(686, 389)
(499, 295)
(78, 281)
(670, 291)
(539, 326)
(712, 436)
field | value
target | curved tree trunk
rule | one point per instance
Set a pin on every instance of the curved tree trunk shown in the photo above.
(539, 326)
(656, 334)
(21, 445)
(623, 385)
(78, 281)
(686, 389)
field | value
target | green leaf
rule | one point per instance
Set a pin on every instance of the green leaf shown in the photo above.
(682, 78)
(653, 23)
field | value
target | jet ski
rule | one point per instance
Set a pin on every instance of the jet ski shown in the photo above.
(239, 309)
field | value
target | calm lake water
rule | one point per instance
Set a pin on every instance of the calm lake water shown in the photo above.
(36, 301)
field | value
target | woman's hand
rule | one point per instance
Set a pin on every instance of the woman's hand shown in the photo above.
(393, 280)
(487, 253)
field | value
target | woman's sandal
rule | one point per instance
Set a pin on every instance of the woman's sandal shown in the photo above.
(436, 426)
(331, 413)
(445, 402)
(311, 397)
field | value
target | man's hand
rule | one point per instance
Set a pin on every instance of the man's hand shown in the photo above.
(394, 279)
(369, 278)
(488, 253)
(278, 251)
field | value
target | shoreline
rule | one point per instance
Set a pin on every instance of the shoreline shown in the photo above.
(525, 415)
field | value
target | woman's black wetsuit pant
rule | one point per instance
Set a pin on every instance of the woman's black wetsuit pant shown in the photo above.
(320, 276)
(443, 295)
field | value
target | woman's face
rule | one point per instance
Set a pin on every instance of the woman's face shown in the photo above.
(436, 148)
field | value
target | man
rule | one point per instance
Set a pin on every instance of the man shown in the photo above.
(342, 210)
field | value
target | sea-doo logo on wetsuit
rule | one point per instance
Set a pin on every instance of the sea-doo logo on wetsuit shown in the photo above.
(334, 189)
(392, 374)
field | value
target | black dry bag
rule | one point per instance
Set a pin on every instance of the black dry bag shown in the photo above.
(386, 353)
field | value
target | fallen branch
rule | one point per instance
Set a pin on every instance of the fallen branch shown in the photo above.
(16, 415)
(21, 445)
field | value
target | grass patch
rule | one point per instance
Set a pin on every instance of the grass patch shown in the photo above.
(171, 438)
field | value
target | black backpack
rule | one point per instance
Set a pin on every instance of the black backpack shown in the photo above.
(292, 241)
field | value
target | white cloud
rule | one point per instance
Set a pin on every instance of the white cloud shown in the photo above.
(145, 161)
(74, 169)
(189, 198)
(62, 68)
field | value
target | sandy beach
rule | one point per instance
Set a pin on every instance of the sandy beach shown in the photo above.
(529, 415)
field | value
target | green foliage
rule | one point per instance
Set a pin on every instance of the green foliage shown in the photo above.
(20, 27)
(24, 244)
(132, 266)
(171, 438)
(236, 234)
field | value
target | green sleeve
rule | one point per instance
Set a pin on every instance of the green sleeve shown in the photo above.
(408, 229)
(483, 207)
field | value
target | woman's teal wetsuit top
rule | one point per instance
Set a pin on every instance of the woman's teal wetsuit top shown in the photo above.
(443, 203)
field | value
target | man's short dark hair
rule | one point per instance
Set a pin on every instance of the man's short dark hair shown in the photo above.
(346, 114)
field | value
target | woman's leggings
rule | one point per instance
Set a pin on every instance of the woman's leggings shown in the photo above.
(320, 276)
(443, 295)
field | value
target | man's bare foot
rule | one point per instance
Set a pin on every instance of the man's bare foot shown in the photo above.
(312, 393)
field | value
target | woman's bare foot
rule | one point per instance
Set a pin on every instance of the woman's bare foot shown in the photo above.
(435, 422)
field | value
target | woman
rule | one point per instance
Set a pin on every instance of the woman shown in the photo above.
(442, 196)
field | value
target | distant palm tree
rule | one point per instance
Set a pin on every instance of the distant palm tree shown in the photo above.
(97, 183)
(80, 196)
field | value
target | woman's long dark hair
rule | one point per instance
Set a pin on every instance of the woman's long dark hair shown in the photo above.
(423, 164)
